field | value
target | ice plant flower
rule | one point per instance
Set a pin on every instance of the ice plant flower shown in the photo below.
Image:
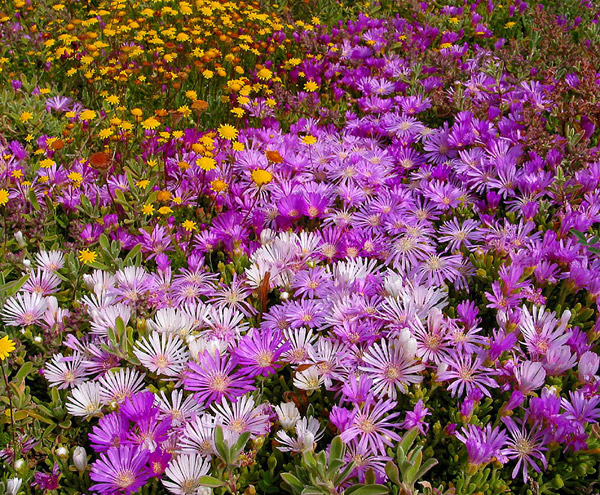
(120, 469)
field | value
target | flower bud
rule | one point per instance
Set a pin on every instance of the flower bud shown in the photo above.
(80, 459)
(284, 296)
(20, 240)
(27, 264)
(62, 453)
(19, 465)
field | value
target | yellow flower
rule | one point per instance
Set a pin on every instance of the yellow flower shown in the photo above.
(86, 256)
(227, 131)
(189, 225)
(311, 86)
(191, 94)
(148, 209)
(47, 163)
(105, 133)
(150, 123)
(112, 99)
(142, 184)
(206, 163)
(87, 115)
(308, 139)
(137, 112)
(26, 116)
(261, 176)
(264, 74)
(218, 185)
(238, 112)
(165, 210)
(208, 74)
(508, 25)
(75, 176)
(237, 146)
(6, 347)
(3, 197)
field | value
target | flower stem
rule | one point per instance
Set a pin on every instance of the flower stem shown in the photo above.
(12, 419)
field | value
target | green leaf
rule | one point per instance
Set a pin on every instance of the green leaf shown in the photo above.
(222, 449)
(427, 465)
(239, 445)
(408, 439)
(131, 254)
(293, 482)
(24, 371)
(370, 477)
(392, 472)
(367, 490)
(210, 482)
(337, 450)
(411, 473)
(11, 288)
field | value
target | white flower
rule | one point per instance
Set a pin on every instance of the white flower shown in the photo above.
(184, 473)
(288, 415)
(309, 379)
(85, 400)
(162, 353)
(13, 484)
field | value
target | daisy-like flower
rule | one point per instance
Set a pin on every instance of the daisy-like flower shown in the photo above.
(466, 372)
(372, 427)
(110, 432)
(198, 436)
(309, 379)
(308, 431)
(117, 386)
(65, 372)
(162, 353)
(85, 401)
(392, 365)
(41, 282)
(483, 445)
(184, 473)
(6, 347)
(178, 410)
(301, 341)
(51, 261)
(120, 469)
(214, 378)
(364, 459)
(24, 309)
(459, 235)
(259, 350)
(224, 324)
(288, 414)
(242, 416)
(525, 446)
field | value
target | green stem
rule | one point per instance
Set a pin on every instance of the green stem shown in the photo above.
(12, 420)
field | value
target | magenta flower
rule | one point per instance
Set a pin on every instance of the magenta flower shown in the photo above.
(466, 372)
(120, 469)
(525, 446)
(214, 378)
(372, 426)
(259, 351)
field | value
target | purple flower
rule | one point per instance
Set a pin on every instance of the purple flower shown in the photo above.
(525, 446)
(373, 428)
(47, 481)
(415, 418)
(214, 378)
(483, 445)
(466, 372)
(122, 468)
(259, 350)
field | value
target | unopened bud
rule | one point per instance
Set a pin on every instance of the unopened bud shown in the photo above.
(20, 240)
(19, 465)
(62, 453)
(80, 459)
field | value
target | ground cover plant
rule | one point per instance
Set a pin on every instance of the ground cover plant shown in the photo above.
(319, 247)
